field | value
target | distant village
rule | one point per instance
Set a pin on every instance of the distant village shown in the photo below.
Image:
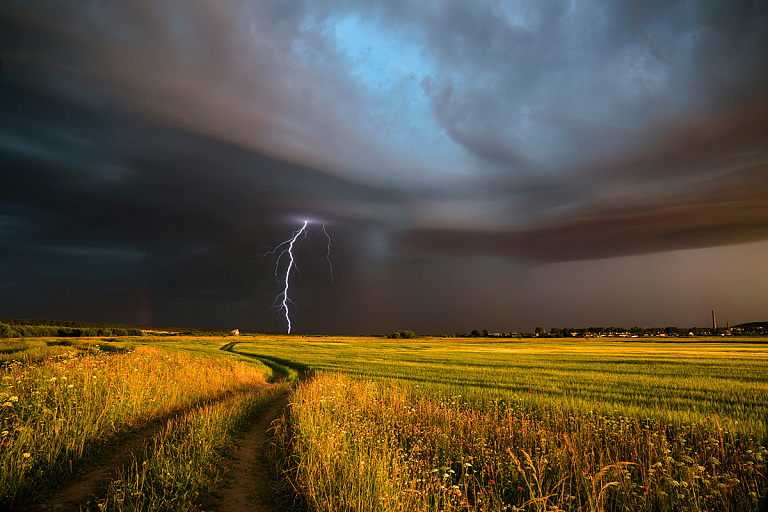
(748, 329)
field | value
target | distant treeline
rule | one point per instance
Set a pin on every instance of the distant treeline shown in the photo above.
(27, 328)
(61, 331)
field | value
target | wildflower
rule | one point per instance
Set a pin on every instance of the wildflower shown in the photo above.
(26, 455)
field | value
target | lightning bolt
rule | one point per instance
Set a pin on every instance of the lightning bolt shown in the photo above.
(328, 256)
(282, 301)
(291, 264)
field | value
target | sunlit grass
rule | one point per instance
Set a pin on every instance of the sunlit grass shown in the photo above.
(381, 445)
(683, 382)
(55, 411)
(186, 460)
(601, 425)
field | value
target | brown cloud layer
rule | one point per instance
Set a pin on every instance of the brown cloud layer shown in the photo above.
(709, 220)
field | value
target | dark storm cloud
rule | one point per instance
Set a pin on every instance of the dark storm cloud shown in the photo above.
(151, 149)
(98, 210)
(571, 83)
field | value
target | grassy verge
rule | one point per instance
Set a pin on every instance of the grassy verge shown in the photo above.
(381, 446)
(54, 412)
(186, 460)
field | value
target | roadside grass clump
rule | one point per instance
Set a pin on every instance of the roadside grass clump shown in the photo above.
(356, 444)
(186, 460)
(57, 411)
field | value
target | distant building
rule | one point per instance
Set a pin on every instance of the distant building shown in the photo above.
(235, 332)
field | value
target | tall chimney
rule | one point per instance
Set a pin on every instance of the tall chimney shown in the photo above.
(714, 322)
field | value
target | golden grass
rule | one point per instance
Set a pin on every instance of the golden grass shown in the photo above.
(53, 412)
(185, 461)
(385, 446)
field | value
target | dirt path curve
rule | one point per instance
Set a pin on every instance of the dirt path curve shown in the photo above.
(248, 486)
(81, 494)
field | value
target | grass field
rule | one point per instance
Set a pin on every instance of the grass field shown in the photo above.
(431, 424)
(685, 382)
(449, 424)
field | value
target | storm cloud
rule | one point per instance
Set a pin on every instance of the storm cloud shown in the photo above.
(151, 152)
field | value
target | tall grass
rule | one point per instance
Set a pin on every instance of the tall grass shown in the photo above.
(54, 412)
(186, 460)
(381, 446)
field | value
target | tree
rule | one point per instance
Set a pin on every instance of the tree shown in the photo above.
(475, 333)
(539, 331)
(405, 335)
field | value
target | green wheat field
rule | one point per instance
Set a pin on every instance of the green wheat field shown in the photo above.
(433, 424)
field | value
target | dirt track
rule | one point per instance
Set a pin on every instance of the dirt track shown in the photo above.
(248, 483)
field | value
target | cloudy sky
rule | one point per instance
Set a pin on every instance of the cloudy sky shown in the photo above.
(499, 164)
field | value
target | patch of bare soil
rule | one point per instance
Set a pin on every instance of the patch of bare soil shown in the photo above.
(81, 494)
(248, 486)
